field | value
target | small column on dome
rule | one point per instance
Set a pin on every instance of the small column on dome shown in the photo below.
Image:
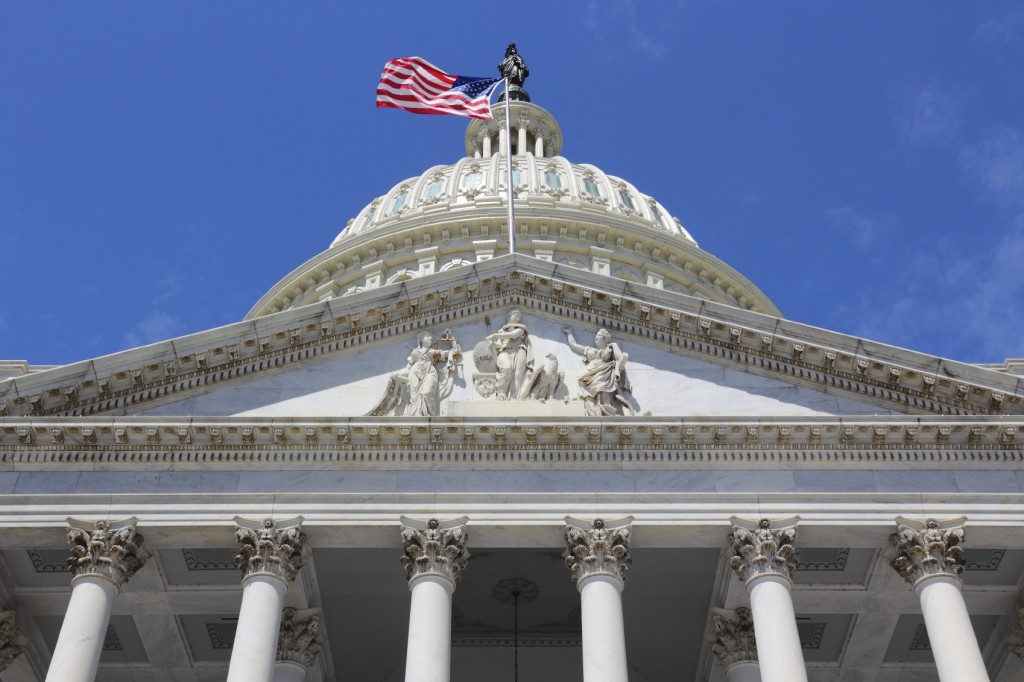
(104, 556)
(270, 556)
(764, 558)
(597, 554)
(930, 557)
(487, 146)
(434, 557)
(538, 147)
(521, 146)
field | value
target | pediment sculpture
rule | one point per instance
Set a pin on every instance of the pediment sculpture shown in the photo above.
(505, 369)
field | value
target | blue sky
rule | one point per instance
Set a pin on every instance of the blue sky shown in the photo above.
(162, 165)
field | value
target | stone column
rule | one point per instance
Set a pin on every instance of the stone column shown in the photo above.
(764, 558)
(538, 146)
(598, 555)
(734, 644)
(930, 557)
(297, 645)
(521, 143)
(104, 555)
(487, 146)
(435, 555)
(270, 556)
(10, 639)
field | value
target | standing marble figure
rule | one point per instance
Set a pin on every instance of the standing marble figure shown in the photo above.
(512, 343)
(604, 380)
(425, 386)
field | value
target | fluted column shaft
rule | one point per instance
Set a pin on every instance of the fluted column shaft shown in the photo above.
(521, 144)
(435, 555)
(104, 556)
(779, 652)
(930, 558)
(252, 656)
(270, 555)
(764, 559)
(598, 556)
(77, 654)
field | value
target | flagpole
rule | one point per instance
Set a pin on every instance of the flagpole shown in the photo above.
(508, 170)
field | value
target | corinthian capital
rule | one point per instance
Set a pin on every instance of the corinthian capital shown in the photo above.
(733, 636)
(10, 636)
(598, 548)
(266, 548)
(108, 549)
(435, 548)
(299, 640)
(758, 549)
(928, 548)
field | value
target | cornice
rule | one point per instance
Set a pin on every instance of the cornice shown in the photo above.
(593, 443)
(889, 377)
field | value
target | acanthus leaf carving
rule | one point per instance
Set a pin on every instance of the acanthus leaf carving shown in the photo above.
(598, 548)
(106, 549)
(434, 548)
(759, 549)
(929, 548)
(267, 548)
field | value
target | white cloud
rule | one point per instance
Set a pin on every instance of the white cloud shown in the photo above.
(931, 115)
(157, 326)
(996, 163)
(858, 228)
(968, 308)
(1005, 29)
(617, 21)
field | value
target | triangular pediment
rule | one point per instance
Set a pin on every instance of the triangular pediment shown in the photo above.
(686, 357)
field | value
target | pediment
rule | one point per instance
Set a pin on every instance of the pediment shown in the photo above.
(686, 357)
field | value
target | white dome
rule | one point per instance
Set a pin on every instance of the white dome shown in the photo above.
(553, 183)
(567, 213)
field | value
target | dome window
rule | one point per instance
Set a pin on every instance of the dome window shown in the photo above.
(472, 180)
(399, 202)
(434, 188)
(369, 216)
(516, 177)
(627, 200)
(591, 187)
(552, 180)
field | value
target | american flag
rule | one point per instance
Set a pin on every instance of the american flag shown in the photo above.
(416, 85)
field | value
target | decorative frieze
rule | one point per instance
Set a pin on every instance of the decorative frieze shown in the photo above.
(928, 548)
(299, 641)
(107, 549)
(732, 635)
(597, 548)
(759, 549)
(434, 548)
(266, 548)
(10, 638)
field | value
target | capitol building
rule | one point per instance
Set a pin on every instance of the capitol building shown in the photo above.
(597, 453)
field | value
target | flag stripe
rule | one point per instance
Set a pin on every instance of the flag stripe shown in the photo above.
(416, 85)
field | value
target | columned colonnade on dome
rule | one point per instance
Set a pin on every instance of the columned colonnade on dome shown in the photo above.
(276, 644)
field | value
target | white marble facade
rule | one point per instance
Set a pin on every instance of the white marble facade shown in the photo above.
(718, 494)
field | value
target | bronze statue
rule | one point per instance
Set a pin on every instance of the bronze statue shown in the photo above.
(513, 67)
